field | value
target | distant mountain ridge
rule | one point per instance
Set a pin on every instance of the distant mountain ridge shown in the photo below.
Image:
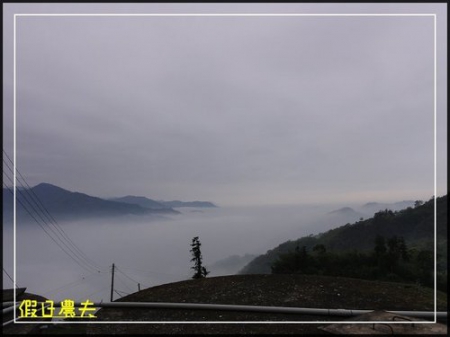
(141, 201)
(68, 205)
(161, 204)
(178, 203)
(343, 210)
(230, 265)
(346, 212)
(373, 207)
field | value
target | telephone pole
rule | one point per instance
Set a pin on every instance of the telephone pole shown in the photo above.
(112, 282)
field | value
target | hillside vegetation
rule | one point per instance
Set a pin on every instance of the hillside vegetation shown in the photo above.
(393, 246)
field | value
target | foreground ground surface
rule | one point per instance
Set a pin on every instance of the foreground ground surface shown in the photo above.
(306, 291)
(267, 290)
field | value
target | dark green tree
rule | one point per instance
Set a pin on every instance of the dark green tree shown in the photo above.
(424, 265)
(292, 262)
(200, 271)
(380, 246)
(320, 249)
(397, 251)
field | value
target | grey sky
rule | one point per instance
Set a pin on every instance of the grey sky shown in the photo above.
(252, 110)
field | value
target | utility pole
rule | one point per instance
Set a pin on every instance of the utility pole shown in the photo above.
(112, 282)
(139, 287)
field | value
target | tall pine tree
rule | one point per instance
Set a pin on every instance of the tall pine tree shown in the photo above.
(200, 271)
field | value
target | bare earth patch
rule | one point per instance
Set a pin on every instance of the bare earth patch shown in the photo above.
(307, 291)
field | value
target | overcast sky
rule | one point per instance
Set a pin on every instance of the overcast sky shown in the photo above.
(234, 110)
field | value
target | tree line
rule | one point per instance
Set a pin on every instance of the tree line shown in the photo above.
(415, 226)
(389, 260)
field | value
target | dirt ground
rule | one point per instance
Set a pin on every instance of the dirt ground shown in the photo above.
(304, 291)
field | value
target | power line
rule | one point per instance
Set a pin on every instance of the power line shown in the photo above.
(72, 284)
(150, 272)
(41, 215)
(126, 275)
(97, 291)
(47, 214)
(45, 230)
(49, 235)
(31, 202)
(137, 282)
(62, 236)
(123, 293)
(45, 211)
(45, 223)
(14, 283)
(123, 282)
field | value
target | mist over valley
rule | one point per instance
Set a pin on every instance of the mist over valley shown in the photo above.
(153, 248)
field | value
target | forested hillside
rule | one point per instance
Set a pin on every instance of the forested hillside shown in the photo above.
(393, 245)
